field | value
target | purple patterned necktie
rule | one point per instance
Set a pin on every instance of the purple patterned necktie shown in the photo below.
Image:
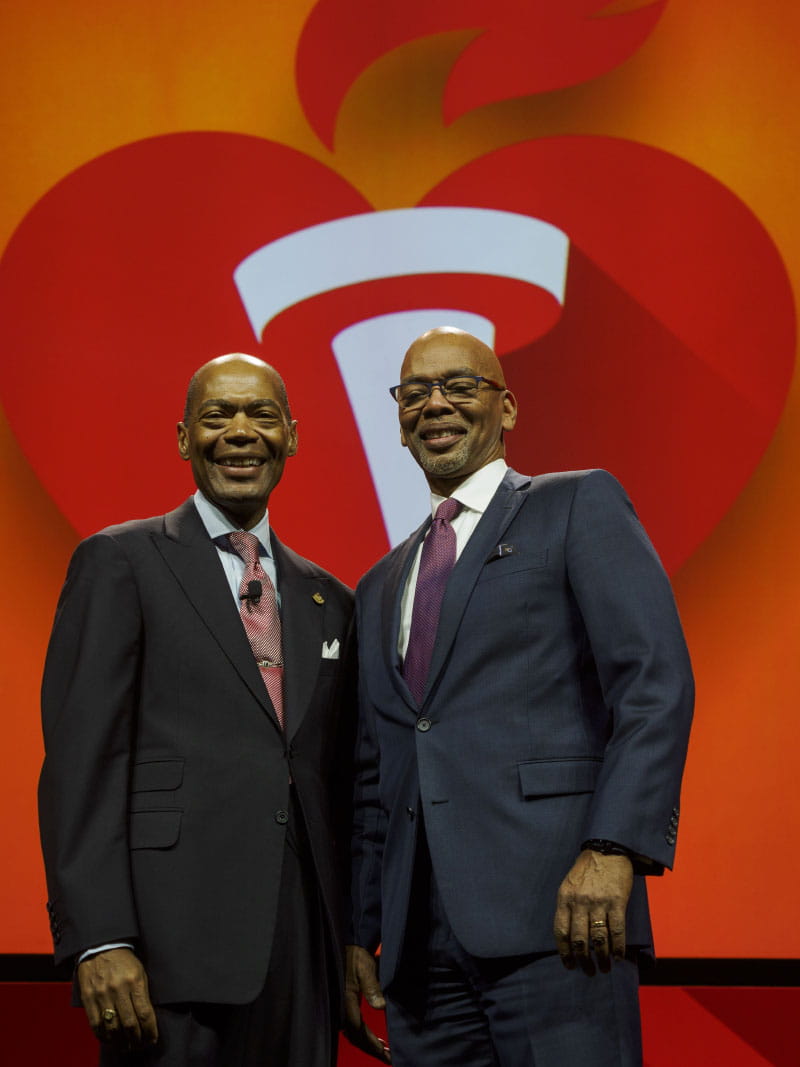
(260, 617)
(436, 562)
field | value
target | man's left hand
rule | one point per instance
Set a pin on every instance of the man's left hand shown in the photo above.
(361, 979)
(590, 912)
(115, 982)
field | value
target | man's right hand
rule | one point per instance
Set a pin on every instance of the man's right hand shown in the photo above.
(361, 979)
(115, 980)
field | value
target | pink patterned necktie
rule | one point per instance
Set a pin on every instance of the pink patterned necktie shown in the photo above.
(260, 617)
(436, 562)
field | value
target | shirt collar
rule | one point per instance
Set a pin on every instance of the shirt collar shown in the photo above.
(476, 491)
(218, 525)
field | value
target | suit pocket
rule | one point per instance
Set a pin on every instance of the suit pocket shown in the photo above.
(154, 829)
(554, 777)
(153, 775)
(497, 566)
(329, 666)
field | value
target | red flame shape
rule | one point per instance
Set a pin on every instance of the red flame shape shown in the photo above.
(520, 47)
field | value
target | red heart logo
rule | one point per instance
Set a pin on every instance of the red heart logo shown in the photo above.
(669, 363)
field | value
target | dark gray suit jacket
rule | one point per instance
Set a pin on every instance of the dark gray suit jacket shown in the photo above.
(557, 709)
(165, 788)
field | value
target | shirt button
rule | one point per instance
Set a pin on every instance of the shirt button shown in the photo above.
(424, 724)
(281, 817)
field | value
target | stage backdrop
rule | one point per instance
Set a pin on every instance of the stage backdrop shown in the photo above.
(606, 192)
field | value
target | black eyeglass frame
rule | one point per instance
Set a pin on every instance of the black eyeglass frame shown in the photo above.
(442, 386)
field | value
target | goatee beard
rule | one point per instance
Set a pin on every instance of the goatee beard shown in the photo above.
(441, 466)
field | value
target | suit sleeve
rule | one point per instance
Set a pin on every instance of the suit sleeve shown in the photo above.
(369, 822)
(636, 641)
(89, 696)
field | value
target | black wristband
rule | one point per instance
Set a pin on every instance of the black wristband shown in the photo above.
(606, 848)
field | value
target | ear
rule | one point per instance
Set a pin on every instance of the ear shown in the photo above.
(183, 441)
(292, 449)
(509, 410)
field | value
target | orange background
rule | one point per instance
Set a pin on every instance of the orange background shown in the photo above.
(716, 84)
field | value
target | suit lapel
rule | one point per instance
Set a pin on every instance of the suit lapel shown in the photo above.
(501, 511)
(393, 588)
(191, 556)
(303, 631)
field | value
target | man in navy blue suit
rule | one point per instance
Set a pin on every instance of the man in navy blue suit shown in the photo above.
(509, 803)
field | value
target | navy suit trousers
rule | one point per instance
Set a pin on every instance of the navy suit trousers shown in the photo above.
(449, 1009)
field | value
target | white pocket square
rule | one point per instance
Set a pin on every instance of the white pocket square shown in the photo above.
(330, 651)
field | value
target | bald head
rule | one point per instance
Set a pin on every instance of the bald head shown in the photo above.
(452, 433)
(237, 434)
(232, 359)
(449, 339)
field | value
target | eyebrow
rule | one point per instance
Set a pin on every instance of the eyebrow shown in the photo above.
(221, 402)
(456, 372)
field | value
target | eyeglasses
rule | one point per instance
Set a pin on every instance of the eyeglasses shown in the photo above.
(459, 389)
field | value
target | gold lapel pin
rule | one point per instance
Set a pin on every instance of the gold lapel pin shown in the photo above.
(318, 598)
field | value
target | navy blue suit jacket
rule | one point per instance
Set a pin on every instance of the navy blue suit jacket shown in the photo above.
(557, 709)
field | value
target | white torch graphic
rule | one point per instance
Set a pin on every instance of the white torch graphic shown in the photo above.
(393, 244)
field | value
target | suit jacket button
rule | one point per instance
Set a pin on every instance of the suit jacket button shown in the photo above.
(281, 817)
(424, 724)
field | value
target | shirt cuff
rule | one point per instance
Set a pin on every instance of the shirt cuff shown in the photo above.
(103, 948)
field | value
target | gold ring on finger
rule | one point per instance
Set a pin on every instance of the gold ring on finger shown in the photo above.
(109, 1015)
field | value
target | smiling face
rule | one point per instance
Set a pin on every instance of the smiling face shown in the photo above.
(451, 441)
(237, 435)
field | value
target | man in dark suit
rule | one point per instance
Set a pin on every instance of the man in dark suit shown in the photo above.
(186, 798)
(521, 747)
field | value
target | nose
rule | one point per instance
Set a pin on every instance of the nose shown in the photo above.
(239, 429)
(437, 400)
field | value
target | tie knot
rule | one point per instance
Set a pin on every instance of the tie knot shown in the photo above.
(447, 510)
(244, 544)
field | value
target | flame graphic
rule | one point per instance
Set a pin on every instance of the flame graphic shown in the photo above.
(520, 47)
